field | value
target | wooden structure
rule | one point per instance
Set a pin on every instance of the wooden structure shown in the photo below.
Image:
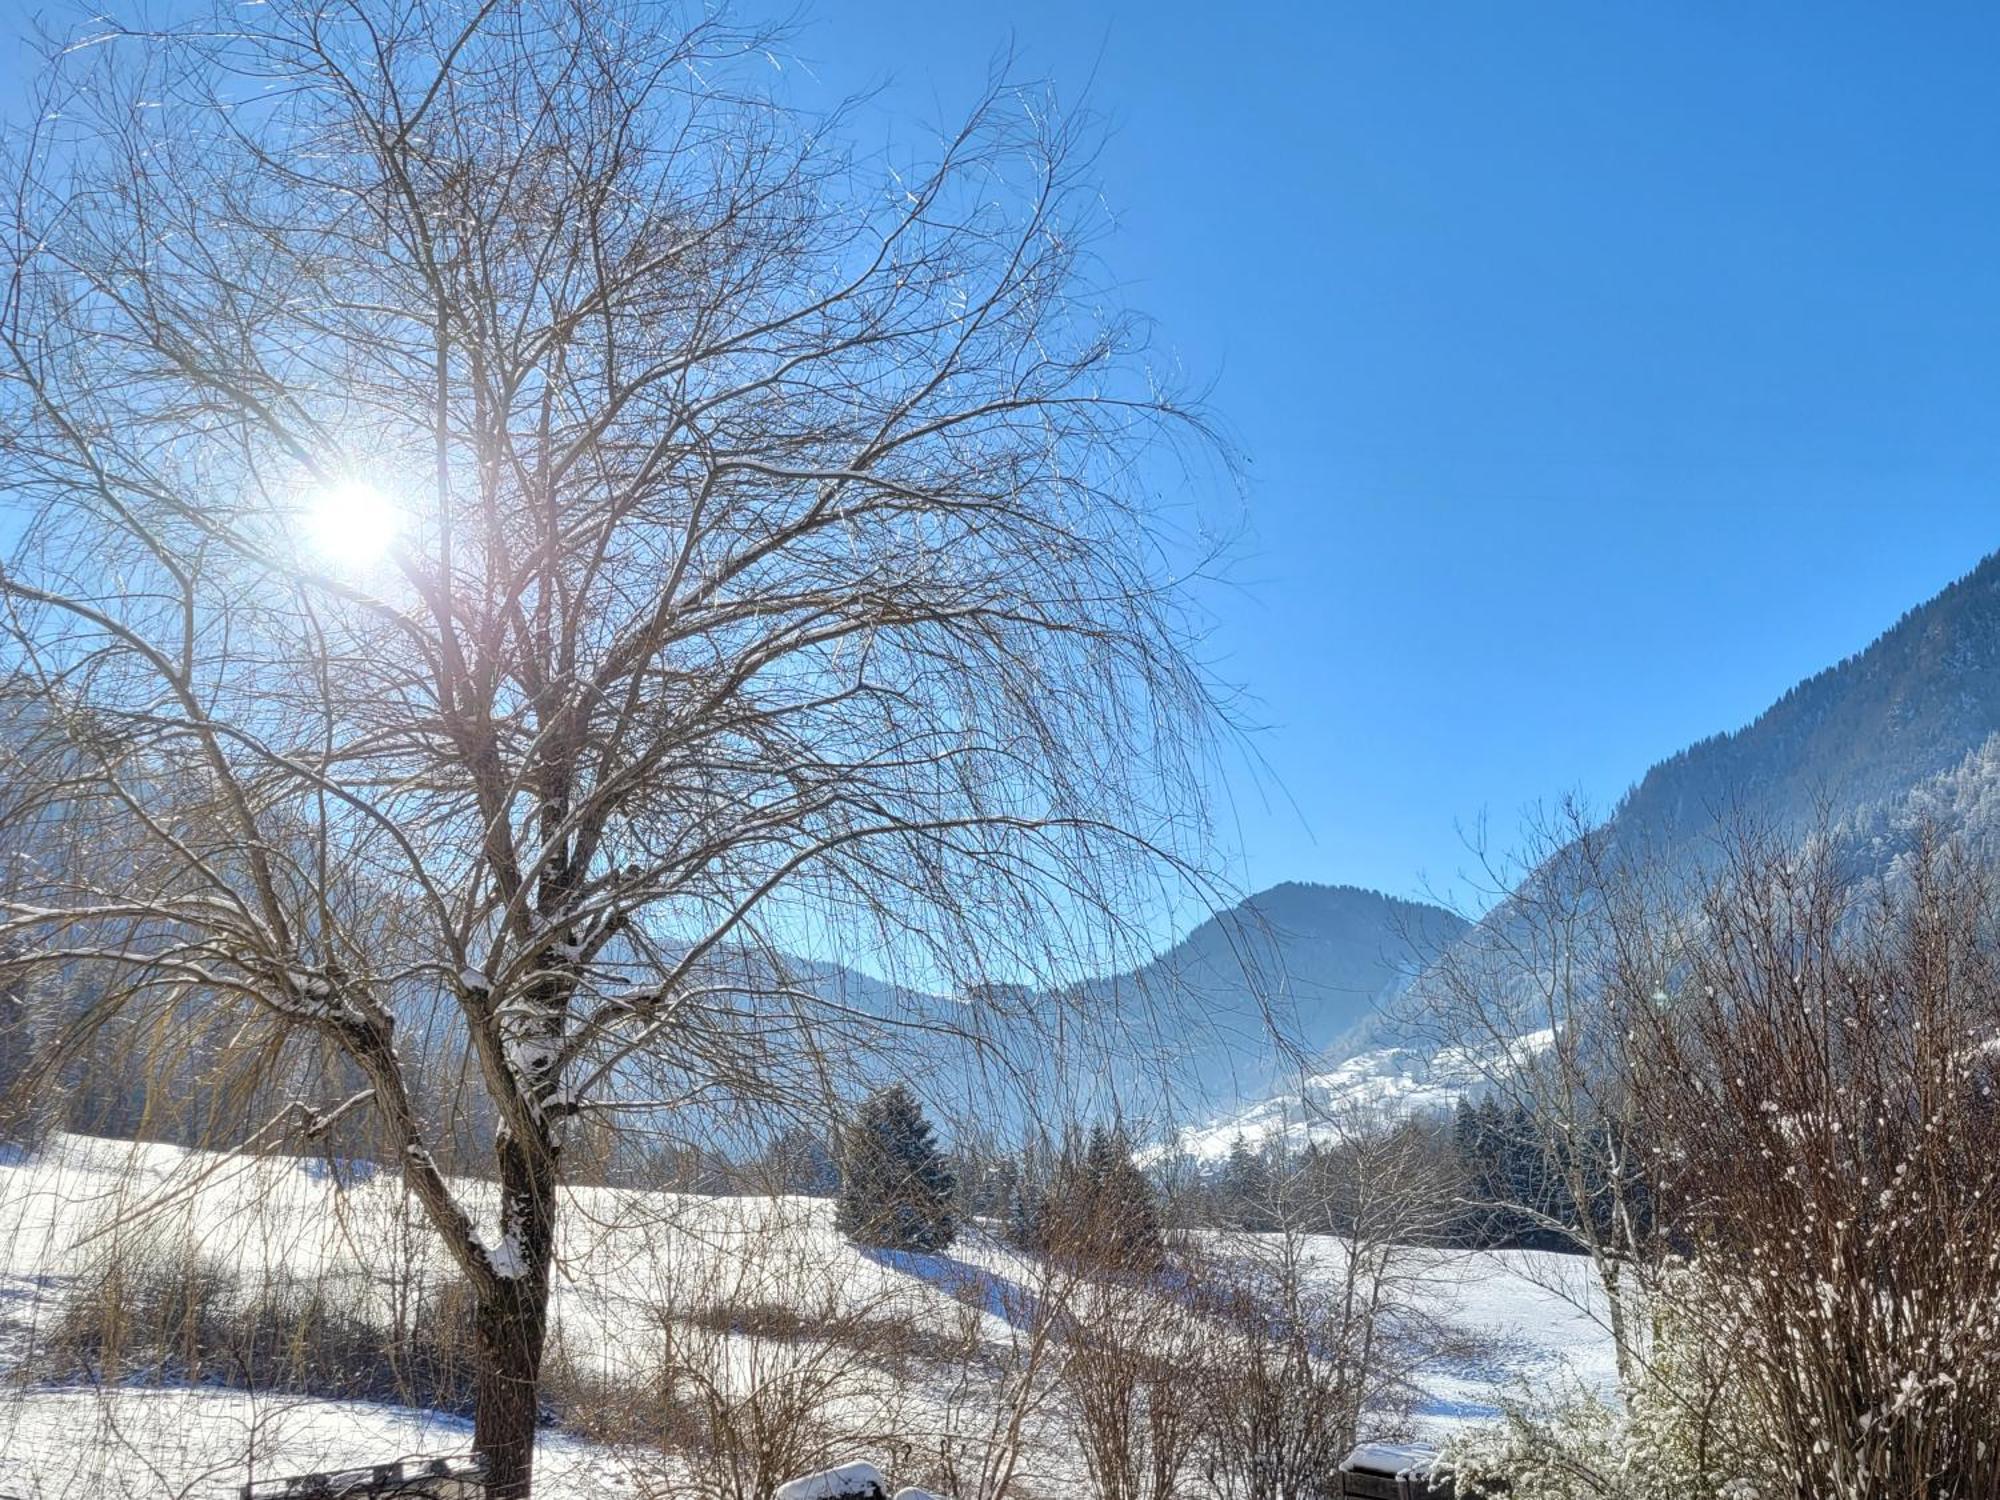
(1393, 1471)
(408, 1478)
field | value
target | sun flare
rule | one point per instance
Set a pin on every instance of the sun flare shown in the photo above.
(352, 524)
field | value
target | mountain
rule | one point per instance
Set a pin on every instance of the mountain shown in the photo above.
(1862, 735)
(1287, 974)
(1900, 735)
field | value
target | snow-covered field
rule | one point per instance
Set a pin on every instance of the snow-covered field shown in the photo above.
(81, 1444)
(631, 1262)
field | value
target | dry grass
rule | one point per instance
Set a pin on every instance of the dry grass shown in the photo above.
(153, 1309)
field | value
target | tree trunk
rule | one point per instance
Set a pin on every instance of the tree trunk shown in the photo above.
(511, 1324)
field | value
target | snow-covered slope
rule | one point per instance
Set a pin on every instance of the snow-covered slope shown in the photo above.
(629, 1261)
(1380, 1080)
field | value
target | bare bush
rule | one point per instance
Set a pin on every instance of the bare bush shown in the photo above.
(770, 1365)
(1136, 1376)
(1001, 1400)
(155, 1308)
(1325, 1335)
(1820, 1074)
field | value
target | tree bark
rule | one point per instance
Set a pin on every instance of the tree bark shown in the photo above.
(511, 1322)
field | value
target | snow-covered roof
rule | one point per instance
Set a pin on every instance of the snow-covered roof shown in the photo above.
(855, 1481)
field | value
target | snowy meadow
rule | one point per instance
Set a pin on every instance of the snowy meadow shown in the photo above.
(910, 1359)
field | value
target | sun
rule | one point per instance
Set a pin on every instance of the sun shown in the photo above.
(352, 524)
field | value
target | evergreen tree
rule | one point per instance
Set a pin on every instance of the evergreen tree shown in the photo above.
(1247, 1189)
(896, 1189)
(16, 1055)
(1027, 1216)
(798, 1162)
(1465, 1132)
(988, 1185)
(1027, 1213)
(1127, 1207)
(1523, 1178)
(1099, 1208)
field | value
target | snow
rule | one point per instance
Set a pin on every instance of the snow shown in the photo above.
(505, 1256)
(1385, 1080)
(1530, 1318)
(1398, 1459)
(80, 1444)
(531, 1054)
(1540, 1320)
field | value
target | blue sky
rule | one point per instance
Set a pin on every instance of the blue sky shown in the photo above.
(1602, 370)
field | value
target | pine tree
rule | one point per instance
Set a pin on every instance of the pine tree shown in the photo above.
(1247, 1189)
(896, 1189)
(798, 1162)
(988, 1185)
(1481, 1136)
(1127, 1209)
(1027, 1214)
(1026, 1217)
(16, 1056)
(1099, 1208)
(1465, 1132)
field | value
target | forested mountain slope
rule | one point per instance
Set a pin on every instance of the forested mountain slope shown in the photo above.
(1902, 735)
(1861, 734)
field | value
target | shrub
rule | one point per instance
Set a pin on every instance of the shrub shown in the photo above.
(1688, 1427)
(152, 1310)
(1819, 1070)
(1137, 1381)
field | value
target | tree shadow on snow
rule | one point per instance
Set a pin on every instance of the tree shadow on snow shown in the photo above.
(963, 1282)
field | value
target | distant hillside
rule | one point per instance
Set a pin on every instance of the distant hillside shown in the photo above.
(1287, 974)
(1904, 733)
(1866, 732)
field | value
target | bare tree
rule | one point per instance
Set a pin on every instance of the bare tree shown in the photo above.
(1519, 1004)
(1325, 1335)
(767, 564)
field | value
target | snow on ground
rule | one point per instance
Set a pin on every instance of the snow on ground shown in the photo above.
(1531, 1319)
(144, 1444)
(1541, 1321)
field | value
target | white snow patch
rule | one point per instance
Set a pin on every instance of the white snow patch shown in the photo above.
(506, 1257)
(125, 1444)
(530, 1055)
(1390, 1080)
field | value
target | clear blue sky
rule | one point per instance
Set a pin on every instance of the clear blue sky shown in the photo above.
(1603, 370)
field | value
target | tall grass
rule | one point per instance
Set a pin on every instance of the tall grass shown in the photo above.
(154, 1309)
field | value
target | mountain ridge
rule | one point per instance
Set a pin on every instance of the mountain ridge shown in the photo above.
(1908, 705)
(1286, 974)
(1902, 734)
